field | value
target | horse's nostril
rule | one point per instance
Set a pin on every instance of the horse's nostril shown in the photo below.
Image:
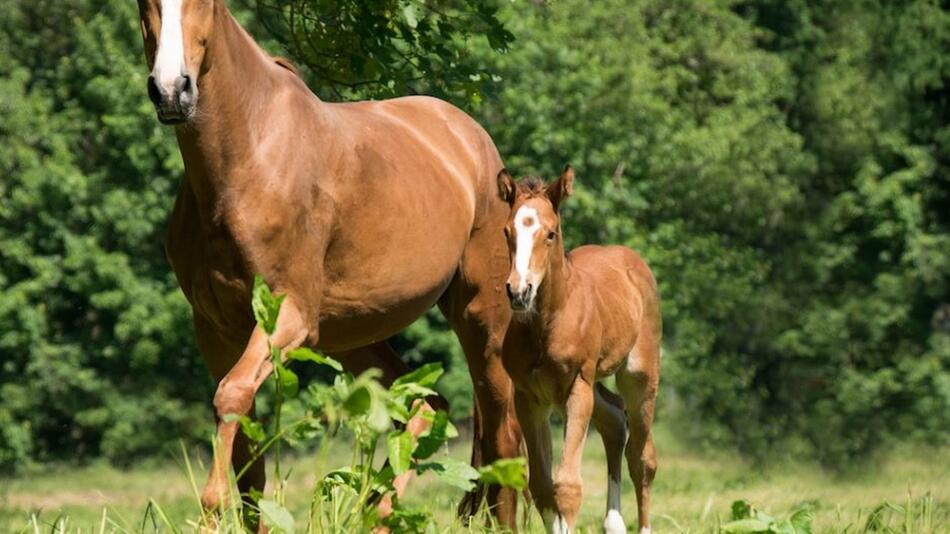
(185, 83)
(529, 288)
(153, 93)
(511, 294)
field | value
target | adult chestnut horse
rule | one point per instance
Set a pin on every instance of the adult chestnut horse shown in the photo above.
(363, 214)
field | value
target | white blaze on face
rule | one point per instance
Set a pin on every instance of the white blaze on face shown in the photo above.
(526, 226)
(170, 59)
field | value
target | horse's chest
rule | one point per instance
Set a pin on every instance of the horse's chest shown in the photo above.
(211, 273)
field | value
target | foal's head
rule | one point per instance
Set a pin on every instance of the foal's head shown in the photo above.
(176, 35)
(533, 232)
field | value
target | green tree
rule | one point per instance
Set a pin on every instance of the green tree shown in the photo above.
(782, 166)
(386, 48)
(95, 338)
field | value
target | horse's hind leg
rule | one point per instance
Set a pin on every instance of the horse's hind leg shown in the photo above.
(383, 357)
(476, 306)
(637, 383)
(608, 419)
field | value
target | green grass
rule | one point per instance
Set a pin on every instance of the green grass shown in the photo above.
(692, 493)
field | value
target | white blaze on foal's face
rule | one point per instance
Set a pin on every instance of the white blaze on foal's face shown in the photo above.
(531, 236)
(527, 227)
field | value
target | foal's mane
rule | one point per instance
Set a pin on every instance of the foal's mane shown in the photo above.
(531, 186)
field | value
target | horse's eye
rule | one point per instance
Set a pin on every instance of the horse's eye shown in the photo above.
(551, 236)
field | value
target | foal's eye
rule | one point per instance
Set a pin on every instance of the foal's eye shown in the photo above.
(551, 236)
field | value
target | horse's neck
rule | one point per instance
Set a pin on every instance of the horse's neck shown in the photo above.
(235, 86)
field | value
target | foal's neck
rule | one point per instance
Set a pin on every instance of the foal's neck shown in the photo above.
(555, 288)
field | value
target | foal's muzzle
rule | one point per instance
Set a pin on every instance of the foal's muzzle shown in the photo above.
(520, 300)
(175, 106)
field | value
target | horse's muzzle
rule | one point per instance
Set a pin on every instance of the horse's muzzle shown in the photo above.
(520, 300)
(175, 106)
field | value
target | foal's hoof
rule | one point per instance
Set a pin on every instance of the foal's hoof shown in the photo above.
(555, 523)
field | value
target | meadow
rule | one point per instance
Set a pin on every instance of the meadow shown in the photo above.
(903, 491)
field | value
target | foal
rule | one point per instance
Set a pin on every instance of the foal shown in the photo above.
(578, 318)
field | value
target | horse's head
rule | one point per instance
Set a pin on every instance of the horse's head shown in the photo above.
(533, 231)
(176, 34)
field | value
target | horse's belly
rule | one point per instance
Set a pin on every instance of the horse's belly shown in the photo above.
(377, 287)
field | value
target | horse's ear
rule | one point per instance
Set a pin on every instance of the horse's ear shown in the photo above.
(506, 186)
(562, 188)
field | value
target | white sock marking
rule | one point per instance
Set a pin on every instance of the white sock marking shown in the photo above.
(613, 523)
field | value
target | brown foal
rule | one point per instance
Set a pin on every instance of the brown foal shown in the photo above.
(578, 318)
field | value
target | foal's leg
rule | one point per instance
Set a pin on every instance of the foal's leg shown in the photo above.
(611, 424)
(638, 389)
(536, 429)
(235, 395)
(568, 485)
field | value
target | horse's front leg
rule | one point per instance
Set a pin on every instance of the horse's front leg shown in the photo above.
(236, 391)
(568, 485)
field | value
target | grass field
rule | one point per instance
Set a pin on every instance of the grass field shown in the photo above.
(692, 493)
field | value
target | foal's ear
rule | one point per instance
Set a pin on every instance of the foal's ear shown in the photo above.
(562, 188)
(506, 186)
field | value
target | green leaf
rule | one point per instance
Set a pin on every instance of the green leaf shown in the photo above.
(408, 521)
(741, 509)
(276, 517)
(378, 419)
(305, 354)
(507, 472)
(251, 428)
(359, 401)
(801, 521)
(409, 13)
(399, 445)
(440, 430)
(454, 472)
(748, 526)
(266, 306)
(289, 384)
(425, 376)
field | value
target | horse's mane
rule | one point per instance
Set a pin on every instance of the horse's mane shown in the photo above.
(285, 63)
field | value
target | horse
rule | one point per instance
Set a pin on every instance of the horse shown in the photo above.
(579, 318)
(363, 214)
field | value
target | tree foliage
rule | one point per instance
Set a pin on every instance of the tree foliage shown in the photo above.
(96, 341)
(783, 167)
(386, 48)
